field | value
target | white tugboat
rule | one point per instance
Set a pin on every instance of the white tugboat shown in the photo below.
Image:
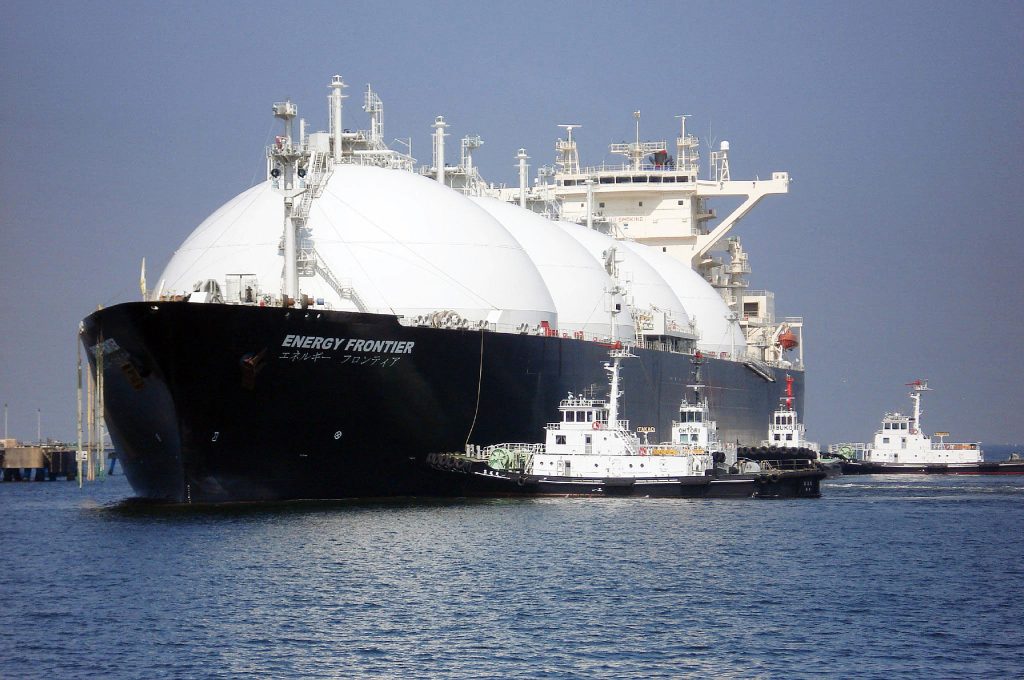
(901, 445)
(590, 450)
(787, 438)
(785, 431)
(695, 429)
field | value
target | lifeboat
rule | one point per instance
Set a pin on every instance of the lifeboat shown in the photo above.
(788, 340)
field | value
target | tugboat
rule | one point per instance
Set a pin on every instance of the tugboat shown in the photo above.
(901, 446)
(787, 438)
(590, 451)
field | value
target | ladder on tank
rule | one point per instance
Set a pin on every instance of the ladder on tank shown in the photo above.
(310, 263)
(318, 171)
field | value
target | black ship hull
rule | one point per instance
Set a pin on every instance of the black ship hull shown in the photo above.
(477, 478)
(228, 402)
(1012, 467)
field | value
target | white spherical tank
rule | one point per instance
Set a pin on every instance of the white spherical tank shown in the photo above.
(647, 288)
(240, 237)
(401, 243)
(576, 280)
(705, 307)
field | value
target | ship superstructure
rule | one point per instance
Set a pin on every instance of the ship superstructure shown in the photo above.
(661, 201)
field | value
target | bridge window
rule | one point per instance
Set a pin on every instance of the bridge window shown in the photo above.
(570, 416)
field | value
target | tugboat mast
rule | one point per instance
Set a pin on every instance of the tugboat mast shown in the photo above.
(917, 387)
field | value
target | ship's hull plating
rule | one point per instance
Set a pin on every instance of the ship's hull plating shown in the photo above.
(993, 468)
(228, 402)
(804, 483)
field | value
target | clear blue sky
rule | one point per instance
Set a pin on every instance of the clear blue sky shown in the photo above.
(126, 124)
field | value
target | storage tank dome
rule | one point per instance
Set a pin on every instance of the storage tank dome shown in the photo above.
(647, 288)
(577, 282)
(704, 305)
(393, 241)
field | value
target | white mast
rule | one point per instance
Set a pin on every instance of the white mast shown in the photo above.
(439, 126)
(569, 157)
(522, 176)
(375, 107)
(617, 356)
(285, 156)
(720, 163)
(611, 267)
(335, 104)
(590, 203)
(917, 387)
(613, 398)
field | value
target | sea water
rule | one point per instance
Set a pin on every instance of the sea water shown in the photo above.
(883, 577)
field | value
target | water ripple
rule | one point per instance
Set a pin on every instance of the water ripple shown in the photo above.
(884, 577)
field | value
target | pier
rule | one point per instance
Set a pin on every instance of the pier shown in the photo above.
(37, 463)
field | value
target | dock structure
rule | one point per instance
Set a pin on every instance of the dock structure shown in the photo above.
(39, 463)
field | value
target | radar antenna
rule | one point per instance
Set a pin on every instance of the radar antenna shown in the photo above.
(636, 150)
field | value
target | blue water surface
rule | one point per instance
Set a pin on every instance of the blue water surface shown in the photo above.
(883, 577)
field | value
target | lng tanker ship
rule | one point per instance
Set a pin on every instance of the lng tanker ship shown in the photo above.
(326, 331)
